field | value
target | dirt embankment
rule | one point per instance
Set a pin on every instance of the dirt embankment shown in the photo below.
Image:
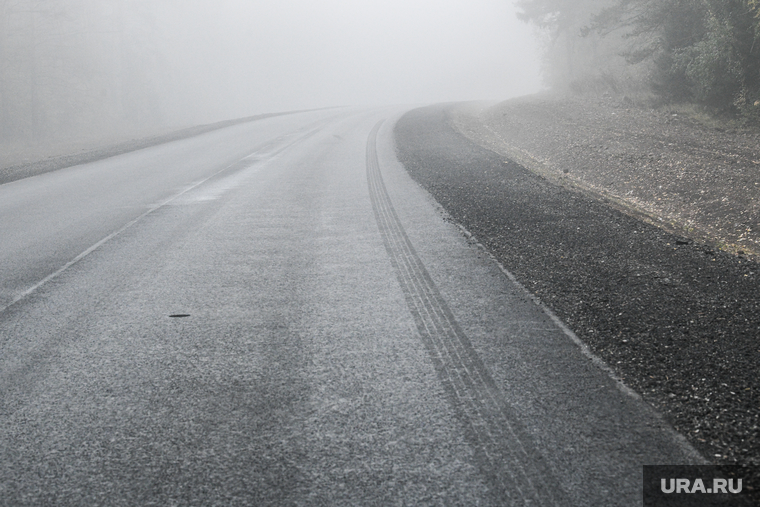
(693, 179)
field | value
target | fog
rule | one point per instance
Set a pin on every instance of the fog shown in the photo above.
(74, 65)
(299, 54)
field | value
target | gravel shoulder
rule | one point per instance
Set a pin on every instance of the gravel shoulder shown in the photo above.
(694, 179)
(676, 318)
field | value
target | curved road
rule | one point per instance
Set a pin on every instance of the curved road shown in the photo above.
(275, 314)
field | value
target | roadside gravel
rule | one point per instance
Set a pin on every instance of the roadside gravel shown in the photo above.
(691, 178)
(676, 318)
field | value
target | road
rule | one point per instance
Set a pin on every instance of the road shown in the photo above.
(275, 314)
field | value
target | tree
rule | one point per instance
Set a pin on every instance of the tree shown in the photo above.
(577, 55)
(704, 51)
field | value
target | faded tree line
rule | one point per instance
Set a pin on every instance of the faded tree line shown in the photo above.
(700, 51)
(77, 66)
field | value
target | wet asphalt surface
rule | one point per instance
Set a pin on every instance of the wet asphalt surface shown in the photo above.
(276, 314)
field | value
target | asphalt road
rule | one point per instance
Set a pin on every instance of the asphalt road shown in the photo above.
(275, 314)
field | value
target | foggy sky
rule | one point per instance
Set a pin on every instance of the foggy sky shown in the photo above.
(234, 57)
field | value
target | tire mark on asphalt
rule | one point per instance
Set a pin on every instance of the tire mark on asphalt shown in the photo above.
(514, 470)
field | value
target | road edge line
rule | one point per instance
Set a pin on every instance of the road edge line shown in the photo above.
(585, 350)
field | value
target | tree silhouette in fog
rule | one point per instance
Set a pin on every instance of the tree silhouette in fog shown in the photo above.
(702, 51)
(76, 66)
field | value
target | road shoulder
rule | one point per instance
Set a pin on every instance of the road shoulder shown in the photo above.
(661, 166)
(589, 430)
(675, 319)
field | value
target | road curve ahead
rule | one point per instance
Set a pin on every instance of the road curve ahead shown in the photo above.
(275, 314)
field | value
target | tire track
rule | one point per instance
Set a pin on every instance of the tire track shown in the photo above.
(513, 469)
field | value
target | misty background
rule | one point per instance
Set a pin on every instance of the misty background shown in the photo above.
(703, 53)
(93, 68)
